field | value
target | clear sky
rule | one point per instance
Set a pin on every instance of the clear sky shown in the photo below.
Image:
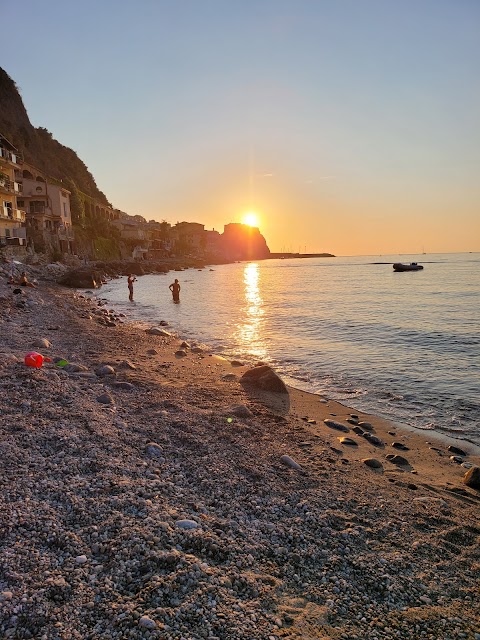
(349, 126)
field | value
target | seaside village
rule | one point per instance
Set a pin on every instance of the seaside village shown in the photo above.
(36, 218)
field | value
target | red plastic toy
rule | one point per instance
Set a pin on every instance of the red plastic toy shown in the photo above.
(34, 359)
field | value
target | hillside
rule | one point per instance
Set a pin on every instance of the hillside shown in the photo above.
(37, 144)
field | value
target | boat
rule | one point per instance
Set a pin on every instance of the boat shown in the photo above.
(413, 266)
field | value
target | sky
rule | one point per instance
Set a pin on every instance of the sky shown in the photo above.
(347, 126)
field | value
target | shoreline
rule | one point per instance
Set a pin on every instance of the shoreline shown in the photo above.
(146, 495)
(445, 436)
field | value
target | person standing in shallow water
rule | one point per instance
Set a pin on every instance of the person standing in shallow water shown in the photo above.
(130, 281)
(175, 289)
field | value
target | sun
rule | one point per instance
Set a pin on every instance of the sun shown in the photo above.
(250, 218)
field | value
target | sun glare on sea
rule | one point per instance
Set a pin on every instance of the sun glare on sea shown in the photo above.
(250, 218)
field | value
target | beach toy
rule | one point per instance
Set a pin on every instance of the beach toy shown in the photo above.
(60, 362)
(35, 360)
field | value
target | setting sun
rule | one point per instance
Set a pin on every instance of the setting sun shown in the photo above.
(250, 218)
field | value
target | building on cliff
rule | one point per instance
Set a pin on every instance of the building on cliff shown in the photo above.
(12, 218)
(48, 212)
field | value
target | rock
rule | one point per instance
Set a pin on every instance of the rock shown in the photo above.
(125, 386)
(156, 331)
(400, 445)
(338, 426)
(358, 431)
(365, 425)
(154, 450)
(433, 501)
(41, 343)
(265, 378)
(184, 345)
(456, 451)
(348, 441)
(187, 524)
(105, 398)
(241, 411)
(229, 376)
(290, 462)
(236, 363)
(82, 279)
(456, 459)
(197, 350)
(72, 367)
(180, 353)
(105, 370)
(152, 352)
(81, 559)
(126, 364)
(472, 478)
(6, 595)
(352, 420)
(147, 623)
(374, 440)
(400, 460)
(373, 463)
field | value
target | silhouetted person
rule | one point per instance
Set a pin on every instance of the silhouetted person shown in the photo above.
(130, 281)
(175, 289)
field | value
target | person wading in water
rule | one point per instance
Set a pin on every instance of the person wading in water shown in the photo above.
(175, 289)
(130, 281)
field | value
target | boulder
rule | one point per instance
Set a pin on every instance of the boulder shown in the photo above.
(373, 463)
(82, 279)
(264, 377)
(472, 478)
(338, 426)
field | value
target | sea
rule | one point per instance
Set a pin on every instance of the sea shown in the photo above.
(404, 346)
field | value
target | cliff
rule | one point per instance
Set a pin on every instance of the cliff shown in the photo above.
(38, 146)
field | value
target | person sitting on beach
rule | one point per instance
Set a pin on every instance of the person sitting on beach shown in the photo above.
(175, 289)
(130, 281)
(24, 282)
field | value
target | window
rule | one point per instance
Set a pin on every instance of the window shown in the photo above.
(20, 203)
(65, 212)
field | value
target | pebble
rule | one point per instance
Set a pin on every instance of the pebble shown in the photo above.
(348, 441)
(338, 426)
(187, 524)
(394, 459)
(81, 559)
(147, 623)
(156, 331)
(154, 450)
(41, 343)
(180, 353)
(373, 463)
(400, 445)
(105, 370)
(241, 411)
(456, 451)
(290, 462)
(105, 398)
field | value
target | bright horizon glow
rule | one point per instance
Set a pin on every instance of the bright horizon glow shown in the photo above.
(251, 219)
(352, 127)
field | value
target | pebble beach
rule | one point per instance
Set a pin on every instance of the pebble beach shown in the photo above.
(148, 492)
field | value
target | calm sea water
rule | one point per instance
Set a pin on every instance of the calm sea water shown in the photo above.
(405, 346)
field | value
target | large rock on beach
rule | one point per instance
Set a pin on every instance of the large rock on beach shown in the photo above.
(82, 279)
(472, 478)
(265, 378)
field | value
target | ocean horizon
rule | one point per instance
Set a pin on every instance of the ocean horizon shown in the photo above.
(403, 346)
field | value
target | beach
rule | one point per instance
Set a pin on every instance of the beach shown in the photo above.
(148, 493)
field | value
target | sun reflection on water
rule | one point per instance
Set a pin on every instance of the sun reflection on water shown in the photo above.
(250, 331)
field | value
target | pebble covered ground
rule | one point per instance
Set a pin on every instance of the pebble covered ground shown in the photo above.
(144, 495)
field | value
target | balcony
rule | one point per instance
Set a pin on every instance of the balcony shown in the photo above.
(18, 188)
(19, 215)
(10, 156)
(5, 183)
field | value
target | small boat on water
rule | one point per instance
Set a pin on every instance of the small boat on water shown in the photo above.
(413, 266)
